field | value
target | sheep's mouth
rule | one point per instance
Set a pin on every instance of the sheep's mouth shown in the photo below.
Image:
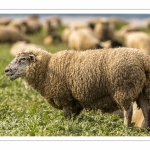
(11, 76)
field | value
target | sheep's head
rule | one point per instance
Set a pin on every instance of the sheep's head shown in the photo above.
(17, 67)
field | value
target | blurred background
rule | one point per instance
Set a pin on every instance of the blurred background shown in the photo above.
(24, 112)
(75, 31)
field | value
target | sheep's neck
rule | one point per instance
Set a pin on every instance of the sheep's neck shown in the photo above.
(37, 76)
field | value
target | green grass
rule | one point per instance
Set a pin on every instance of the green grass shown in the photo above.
(23, 112)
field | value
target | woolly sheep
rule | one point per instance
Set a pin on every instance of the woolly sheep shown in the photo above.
(21, 46)
(95, 79)
(71, 27)
(126, 29)
(32, 25)
(83, 39)
(139, 40)
(104, 30)
(18, 24)
(51, 24)
(9, 34)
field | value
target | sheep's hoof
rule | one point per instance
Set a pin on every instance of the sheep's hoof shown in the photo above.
(67, 114)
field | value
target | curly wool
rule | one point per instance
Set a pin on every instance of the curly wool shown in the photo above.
(100, 79)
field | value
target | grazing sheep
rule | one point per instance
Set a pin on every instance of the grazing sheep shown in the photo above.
(18, 24)
(21, 46)
(96, 79)
(83, 39)
(71, 27)
(32, 25)
(52, 24)
(139, 40)
(104, 30)
(11, 35)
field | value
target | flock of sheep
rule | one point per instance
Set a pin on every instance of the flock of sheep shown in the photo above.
(105, 69)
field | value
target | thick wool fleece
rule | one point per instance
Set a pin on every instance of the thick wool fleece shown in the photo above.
(99, 79)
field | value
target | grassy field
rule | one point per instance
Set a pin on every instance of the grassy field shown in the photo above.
(23, 112)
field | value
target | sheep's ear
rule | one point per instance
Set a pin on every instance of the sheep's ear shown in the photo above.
(32, 58)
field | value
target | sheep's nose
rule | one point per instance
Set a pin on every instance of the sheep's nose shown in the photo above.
(7, 70)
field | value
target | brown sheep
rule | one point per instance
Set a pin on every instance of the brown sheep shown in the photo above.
(18, 24)
(51, 24)
(32, 25)
(11, 35)
(105, 79)
(104, 30)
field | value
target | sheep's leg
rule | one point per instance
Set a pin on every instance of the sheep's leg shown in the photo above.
(144, 104)
(77, 111)
(67, 112)
(128, 116)
(76, 108)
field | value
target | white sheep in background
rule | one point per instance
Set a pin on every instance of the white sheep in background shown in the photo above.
(83, 39)
(139, 40)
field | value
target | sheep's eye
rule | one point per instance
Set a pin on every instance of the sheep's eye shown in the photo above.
(23, 59)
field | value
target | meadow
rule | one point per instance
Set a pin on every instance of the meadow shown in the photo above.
(23, 112)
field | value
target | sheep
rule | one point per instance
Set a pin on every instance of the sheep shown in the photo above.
(70, 80)
(101, 79)
(126, 29)
(139, 40)
(72, 26)
(11, 35)
(18, 24)
(21, 46)
(83, 39)
(32, 25)
(104, 30)
(51, 24)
